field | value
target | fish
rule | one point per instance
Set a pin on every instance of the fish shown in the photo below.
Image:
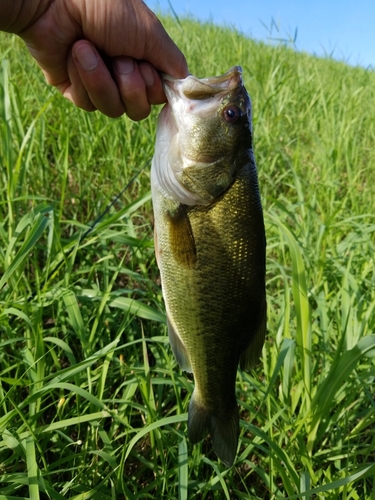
(210, 245)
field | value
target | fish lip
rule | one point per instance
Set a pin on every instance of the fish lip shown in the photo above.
(228, 81)
(204, 88)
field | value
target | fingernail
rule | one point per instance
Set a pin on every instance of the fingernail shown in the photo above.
(148, 75)
(86, 57)
(124, 65)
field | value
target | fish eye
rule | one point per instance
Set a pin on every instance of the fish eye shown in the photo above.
(232, 113)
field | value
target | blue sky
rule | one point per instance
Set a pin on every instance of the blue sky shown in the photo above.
(344, 29)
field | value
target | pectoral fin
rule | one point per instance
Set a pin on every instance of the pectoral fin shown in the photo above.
(251, 355)
(182, 238)
(178, 348)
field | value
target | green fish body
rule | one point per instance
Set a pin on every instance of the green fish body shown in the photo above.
(210, 245)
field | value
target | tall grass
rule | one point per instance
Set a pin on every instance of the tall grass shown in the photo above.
(92, 404)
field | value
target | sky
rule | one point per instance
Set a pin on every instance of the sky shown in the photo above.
(343, 29)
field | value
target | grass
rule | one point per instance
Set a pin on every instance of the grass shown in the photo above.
(92, 404)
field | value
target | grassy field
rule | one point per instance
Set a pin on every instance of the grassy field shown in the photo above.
(92, 404)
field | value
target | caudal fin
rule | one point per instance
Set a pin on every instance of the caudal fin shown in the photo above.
(224, 431)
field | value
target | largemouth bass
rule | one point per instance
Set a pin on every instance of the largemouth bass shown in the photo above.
(210, 245)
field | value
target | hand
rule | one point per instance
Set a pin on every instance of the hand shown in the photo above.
(102, 54)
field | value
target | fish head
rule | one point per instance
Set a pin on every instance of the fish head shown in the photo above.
(209, 135)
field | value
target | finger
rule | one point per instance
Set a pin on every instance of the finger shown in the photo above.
(132, 87)
(96, 80)
(74, 90)
(154, 87)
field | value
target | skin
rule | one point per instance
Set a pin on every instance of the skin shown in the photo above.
(100, 54)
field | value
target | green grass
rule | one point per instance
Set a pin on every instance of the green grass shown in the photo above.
(92, 404)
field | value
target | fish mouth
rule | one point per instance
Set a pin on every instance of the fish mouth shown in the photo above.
(200, 89)
(200, 97)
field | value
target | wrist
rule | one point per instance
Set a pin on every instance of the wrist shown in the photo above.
(17, 15)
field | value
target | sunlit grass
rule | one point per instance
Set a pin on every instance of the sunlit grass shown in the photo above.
(92, 404)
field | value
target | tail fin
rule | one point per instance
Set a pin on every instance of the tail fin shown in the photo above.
(224, 430)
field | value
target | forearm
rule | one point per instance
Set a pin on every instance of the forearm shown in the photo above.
(17, 15)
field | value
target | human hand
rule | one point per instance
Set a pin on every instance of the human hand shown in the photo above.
(101, 54)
